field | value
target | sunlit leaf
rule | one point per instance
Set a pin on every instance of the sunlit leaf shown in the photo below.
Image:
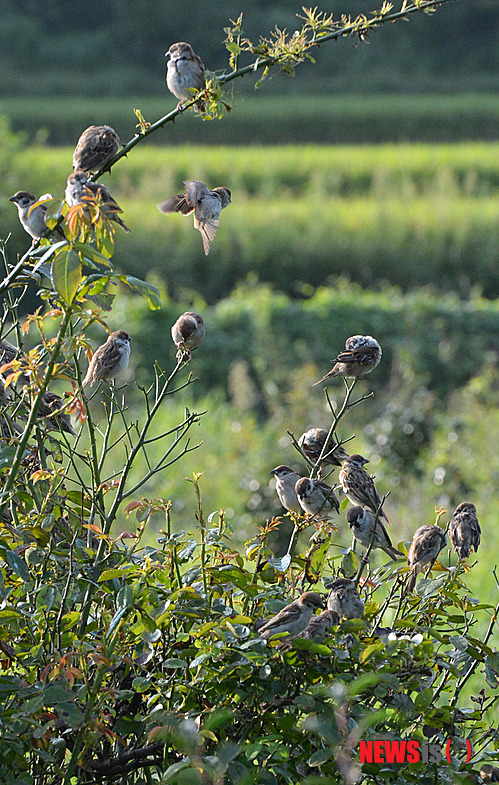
(66, 274)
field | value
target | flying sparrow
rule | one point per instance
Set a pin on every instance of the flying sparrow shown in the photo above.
(285, 485)
(358, 485)
(185, 72)
(205, 204)
(361, 522)
(95, 147)
(464, 530)
(188, 333)
(361, 355)
(109, 359)
(52, 408)
(316, 498)
(80, 190)
(319, 625)
(344, 599)
(294, 618)
(312, 443)
(426, 544)
(33, 220)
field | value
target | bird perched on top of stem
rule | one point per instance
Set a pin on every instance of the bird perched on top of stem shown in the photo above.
(188, 333)
(294, 618)
(426, 544)
(185, 72)
(33, 218)
(464, 530)
(205, 204)
(361, 355)
(359, 486)
(110, 359)
(80, 190)
(95, 147)
(51, 409)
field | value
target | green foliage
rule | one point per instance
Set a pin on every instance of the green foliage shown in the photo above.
(257, 119)
(409, 215)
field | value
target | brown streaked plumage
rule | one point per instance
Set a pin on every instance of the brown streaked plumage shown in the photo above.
(95, 147)
(426, 544)
(188, 333)
(464, 530)
(361, 355)
(81, 190)
(110, 359)
(359, 486)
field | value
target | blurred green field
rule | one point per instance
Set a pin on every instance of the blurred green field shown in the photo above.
(409, 215)
(257, 118)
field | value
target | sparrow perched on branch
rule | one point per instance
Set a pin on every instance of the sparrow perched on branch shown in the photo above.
(361, 522)
(361, 355)
(464, 530)
(184, 72)
(317, 498)
(319, 625)
(52, 408)
(110, 359)
(8, 354)
(205, 204)
(294, 618)
(188, 333)
(33, 220)
(95, 147)
(358, 486)
(80, 190)
(426, 544)
(285, 485)
(312, 443)
(344, 599)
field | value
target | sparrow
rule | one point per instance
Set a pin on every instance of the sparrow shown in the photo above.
(312, 443)
(205, 204)
(464, 530)
(319, 625)
(52, 407)
(316, 498)
(285, 485)
(426, 544)
(80, 190)
(294, 618)
(344, 599)
(188, 333)
(184, 72)
(95, 147)
(361, 355)
(361, 522)
(109, 359)
(33, 220)
(358, 486)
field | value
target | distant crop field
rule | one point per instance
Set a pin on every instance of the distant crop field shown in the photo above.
(410, 215)
(257, 118)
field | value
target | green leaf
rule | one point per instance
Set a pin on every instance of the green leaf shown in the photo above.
(70, 619)
(17, 565)
(319, 757)
(66, 274)
(303, 644)
(175, 662)
(349, 563)
(91, 253)
(7, 456)
(146, 290)
(108, 575)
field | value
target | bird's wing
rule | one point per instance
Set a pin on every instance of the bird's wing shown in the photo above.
(288, 616)
(361, 355)
(104, 360)
(195, 190)
(177, 204)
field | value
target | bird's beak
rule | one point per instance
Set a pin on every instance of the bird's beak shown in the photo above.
(272, 471)
(12, 198)
(167, 54)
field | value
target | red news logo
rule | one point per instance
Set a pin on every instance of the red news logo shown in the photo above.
(395, 751)
(410, 751)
